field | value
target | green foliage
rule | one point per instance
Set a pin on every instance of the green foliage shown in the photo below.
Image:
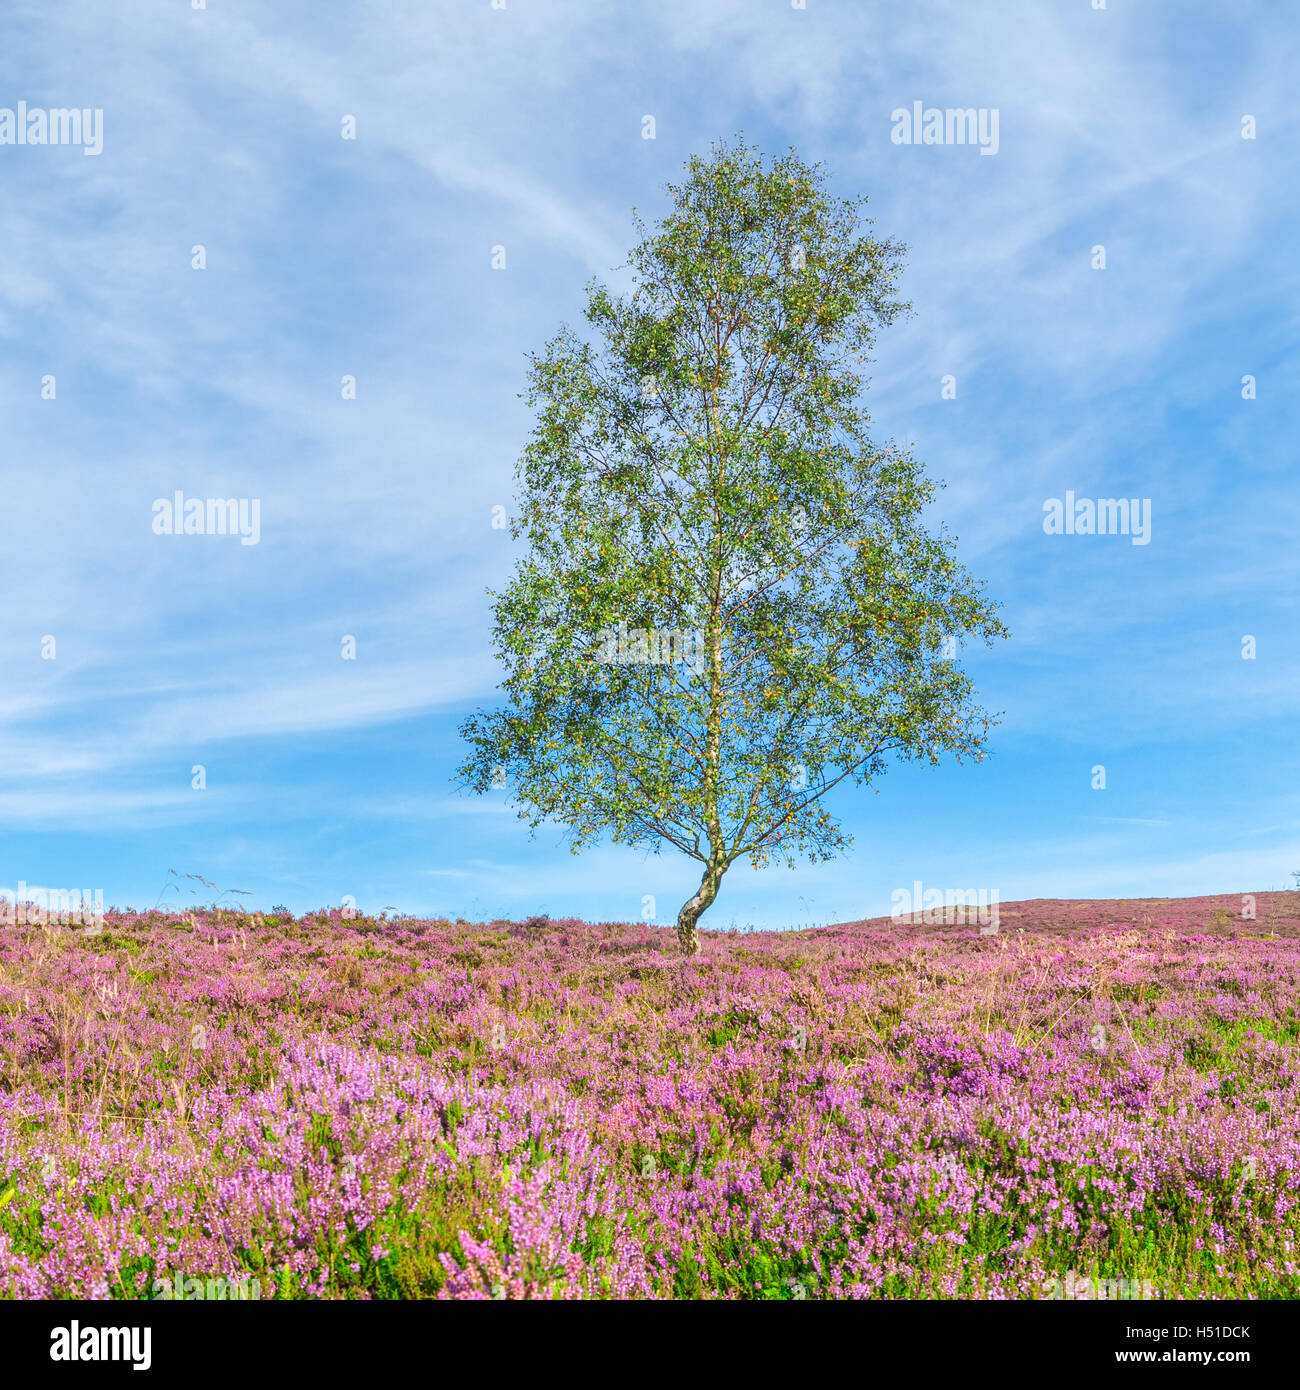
(700, 483)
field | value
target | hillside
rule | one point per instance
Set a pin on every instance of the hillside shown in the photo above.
(400, 1108)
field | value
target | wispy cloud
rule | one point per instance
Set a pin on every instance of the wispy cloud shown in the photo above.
(372, 258)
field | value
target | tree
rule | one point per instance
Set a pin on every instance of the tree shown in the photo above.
(729, 603)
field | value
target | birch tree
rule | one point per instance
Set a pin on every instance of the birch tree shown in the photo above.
(728, 604)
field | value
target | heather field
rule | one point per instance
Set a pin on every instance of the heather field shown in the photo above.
(407, 1109)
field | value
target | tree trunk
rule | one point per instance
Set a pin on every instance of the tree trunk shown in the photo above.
(688, 938)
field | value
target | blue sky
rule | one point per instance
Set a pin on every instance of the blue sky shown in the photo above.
(371, 257)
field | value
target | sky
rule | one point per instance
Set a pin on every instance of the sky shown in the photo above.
(127, 374)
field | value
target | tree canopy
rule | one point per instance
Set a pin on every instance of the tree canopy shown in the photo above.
(729, 603)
